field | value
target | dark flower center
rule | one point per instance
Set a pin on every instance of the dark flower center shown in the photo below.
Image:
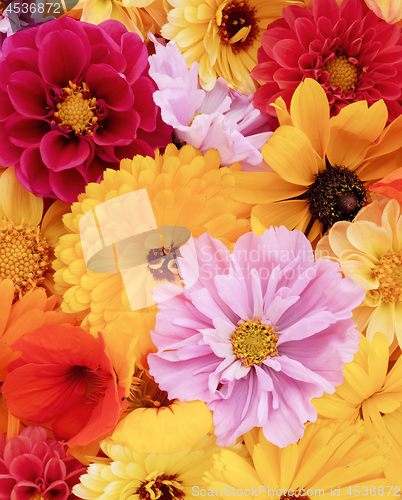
(161, 487)
(343, 73)
(24, 256)
(336, 194)
(76, 109)
(162, 264)
(237, 24)
(295, 496)
(253, 342)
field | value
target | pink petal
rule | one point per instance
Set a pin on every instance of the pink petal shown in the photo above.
(16, 447)
(57, 491)
(25, 490)
(143, 89)
(105, 83)
(118, 129)
(27, 132)
(7, 484)
(135, 52)
(67, 184)
(9, 153)
(60, 152)
(26, 467)
(6, 108)
(26, 38)
(28, 94)
(33, 173)
(55, 470)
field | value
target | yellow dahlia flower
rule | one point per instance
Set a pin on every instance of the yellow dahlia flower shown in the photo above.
(329, 460)
(27, 240)
(223, 36)
(369, 250)
(143, 476)
(185, 189)
(321, 165)
(139, 16)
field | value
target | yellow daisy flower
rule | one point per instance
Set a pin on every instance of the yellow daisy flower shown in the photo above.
(185, 189)
(321, 165)
(329, 460)
(372, 394)
(27, 238)
(223, 36)
(369, 250)
(142, 476)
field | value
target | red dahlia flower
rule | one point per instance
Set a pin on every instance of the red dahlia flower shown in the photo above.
(351, 52)
(34, 467)
(65, 375)
(75, 99)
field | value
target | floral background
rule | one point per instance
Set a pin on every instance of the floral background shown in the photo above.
(262, 142)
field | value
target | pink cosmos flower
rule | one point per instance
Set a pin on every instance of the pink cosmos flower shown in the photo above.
(75, 99)
(33, 466)
(262, 332)
(351, 52)
(221, 119)
(64, 375)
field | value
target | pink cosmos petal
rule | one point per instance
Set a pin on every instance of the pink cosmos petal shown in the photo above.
(134, 51)
(60, 152)
(105, 83)
(204, 302)
(26, 467)
(28, 94)
(234, 294)
(65, 47)
(306, 327)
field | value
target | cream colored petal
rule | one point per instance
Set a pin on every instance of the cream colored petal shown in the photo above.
(96, 11)
(353, 131)
(382, 321)
(389, 221)
(338, 239)
(290, 154)
(323, 250)
(19, 205)
(309, 110)
(369, 238)
(52, 226)
(371, 212)
(361, 316)
(398, 322)
(361, 273)
(389, 10)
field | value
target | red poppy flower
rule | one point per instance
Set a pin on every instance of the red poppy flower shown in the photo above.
(65, 375)
(75, 99)
(350, 51)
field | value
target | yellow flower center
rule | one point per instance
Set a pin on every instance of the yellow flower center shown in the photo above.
(389, 275)
(161, 486)
(238, 25)
(77, 109)
(145, 392)
(343, 73)
(38, 496)
(2, 7)
(24, 256)
(253, 342)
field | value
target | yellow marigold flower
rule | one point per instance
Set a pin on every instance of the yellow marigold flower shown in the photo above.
(142, 476)
(223, 36)
(139, 16)
(369, 250)
(372, 394)
(328, 457)
(185, 189)
(321, 165)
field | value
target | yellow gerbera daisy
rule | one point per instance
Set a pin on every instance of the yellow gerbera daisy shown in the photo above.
(223, 36)
(369, 250)
(142, 476)
(27, 241)
(185, 189)
(329, 460)
(321, 165)
(372, 394)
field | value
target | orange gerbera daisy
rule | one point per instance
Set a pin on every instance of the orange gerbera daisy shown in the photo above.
(321, 165)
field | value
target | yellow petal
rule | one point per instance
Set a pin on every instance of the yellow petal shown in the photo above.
(310, 114)
(282, 112)
(378, 360)
(389, 10)
(52, 226)
(18, 203)
(369, 238)
(96, 11)
(382, 321)
(282, 213)
(290, 154)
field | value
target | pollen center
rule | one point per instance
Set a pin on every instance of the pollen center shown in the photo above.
(343, 73)
(295, 496)
(253, 342)
(161, 486)
(389, 275)
(237, 24)
(77, 109)
(336, 194)
(24, 256)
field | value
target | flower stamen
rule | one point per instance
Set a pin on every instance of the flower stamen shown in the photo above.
(238, 25)
(145, 392)
(161, 486)
(343, 73)
(253, 342)
(389, 275)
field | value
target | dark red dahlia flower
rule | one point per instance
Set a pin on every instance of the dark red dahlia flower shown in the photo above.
(75, 99)
(32, 466)
(350, 51)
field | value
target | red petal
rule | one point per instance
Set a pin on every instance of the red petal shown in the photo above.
(16, 447)
(22, 59)
(27, 132)
(33, 173)
(25, 490)
(26, 467)
(25, 38)
(55, 470)
(7, 484)
(60, 152)
(6, 108)
(143, 90)
(287, 53)
(57, 491)
(118, 129)
(9, 154)
(135, 52)
(67, 184)
(28, 94)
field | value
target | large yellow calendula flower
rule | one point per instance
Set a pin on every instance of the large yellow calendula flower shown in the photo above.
(328, 457)
(372, 394)
(321, 165)
(223, 36)
(185, 189)
(142, 476)
(27, 238)
(369, 250)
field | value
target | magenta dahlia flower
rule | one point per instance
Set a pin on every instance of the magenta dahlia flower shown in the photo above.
(75, 99)
(262, 332)
(350, 51)
(34, 466)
